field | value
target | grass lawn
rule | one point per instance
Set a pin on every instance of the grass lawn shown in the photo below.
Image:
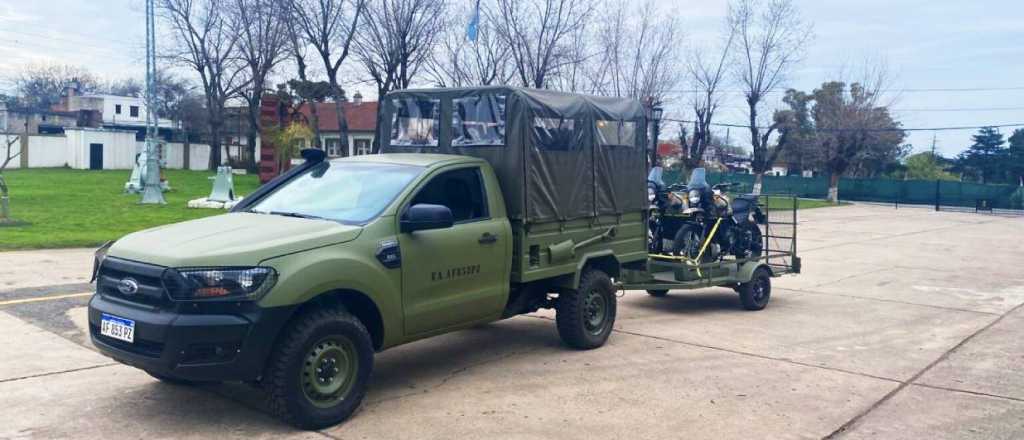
(73, 208)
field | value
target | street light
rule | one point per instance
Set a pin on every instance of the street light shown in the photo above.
(655, 113)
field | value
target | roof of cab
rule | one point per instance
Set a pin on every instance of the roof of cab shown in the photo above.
(414, 159)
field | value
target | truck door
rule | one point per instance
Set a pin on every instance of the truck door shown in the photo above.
(460, 274)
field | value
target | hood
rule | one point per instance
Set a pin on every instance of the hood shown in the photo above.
(235, 239)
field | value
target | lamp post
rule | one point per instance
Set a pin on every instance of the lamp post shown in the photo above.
(655, 111)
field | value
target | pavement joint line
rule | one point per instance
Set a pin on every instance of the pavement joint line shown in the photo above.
(893, 301)
(845, 427)
(53, 373)
(745, 353)
(975, 393)
(43, 298)
(872, 271)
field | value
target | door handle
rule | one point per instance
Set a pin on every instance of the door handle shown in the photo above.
(488, 238)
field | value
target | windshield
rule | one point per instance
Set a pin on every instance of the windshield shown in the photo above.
(697, 179)
(348, 192)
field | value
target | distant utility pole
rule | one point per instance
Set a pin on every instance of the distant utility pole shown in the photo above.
(152, 192)
(933, 143)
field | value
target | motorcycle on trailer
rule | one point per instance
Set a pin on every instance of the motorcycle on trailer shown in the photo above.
(732, 225)
(667, 203)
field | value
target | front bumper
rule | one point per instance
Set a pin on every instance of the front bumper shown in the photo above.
(207, 342)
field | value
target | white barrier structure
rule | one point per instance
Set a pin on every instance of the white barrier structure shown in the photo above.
(93, 148)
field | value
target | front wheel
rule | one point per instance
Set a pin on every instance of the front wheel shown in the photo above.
(319, 371)
(756, 293)
(688, 242)
(585, 316)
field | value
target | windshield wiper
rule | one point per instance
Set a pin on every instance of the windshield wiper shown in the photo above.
(287, 214)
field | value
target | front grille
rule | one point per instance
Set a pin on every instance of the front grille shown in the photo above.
(147, 277)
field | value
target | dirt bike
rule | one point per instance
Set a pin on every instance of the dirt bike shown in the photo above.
(731, 224)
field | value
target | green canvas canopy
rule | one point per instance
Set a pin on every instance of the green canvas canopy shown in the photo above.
(558, 156)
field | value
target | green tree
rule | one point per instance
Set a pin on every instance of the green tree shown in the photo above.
(1015, 164)
(986, 157)
(927, 166)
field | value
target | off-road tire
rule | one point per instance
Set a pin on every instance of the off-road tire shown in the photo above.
(683, 244)
(660, 293)
(756, 245)
(756, 293)
(575, 311)
(285, 394)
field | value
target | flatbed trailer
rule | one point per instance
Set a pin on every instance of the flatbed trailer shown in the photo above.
(750, 277)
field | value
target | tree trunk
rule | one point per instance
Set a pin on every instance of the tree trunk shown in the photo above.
(339, 108)
(758, 180)
(375, 147)
(215, 158)
(251, 135)
(5, 208)
(833, 187)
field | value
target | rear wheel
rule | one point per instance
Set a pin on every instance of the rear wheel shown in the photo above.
(585, 316)
(756, 293)
(318, 373)
(753, 244)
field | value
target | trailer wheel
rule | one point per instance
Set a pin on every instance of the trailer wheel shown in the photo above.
(658, 293)
(319, 371)
(585, 316)
(756, 293)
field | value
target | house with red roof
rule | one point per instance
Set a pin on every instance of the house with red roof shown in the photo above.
(362, 125)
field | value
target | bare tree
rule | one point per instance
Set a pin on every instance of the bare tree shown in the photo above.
(307, 91)
(457, 62)
(9, 155)
(707, 74)
(329, 27)
(42, 85)
(770, 40)
(205, 42)
(637, 52)
(395, 42)
(540, 35)
(261, 47)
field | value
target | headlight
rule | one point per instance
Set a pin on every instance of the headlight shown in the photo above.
(694, 197)
(650, 195)
(219, 284)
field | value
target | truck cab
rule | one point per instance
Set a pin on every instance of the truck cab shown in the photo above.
(500, 213)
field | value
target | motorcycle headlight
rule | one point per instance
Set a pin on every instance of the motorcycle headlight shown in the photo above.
(650, 195)
(694, 197)
(219, 284)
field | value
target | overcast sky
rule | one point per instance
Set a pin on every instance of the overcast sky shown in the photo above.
(934, 48)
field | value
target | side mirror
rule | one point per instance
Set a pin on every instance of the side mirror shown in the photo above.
(423, 216)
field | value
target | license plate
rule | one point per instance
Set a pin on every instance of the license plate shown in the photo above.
(117, 328)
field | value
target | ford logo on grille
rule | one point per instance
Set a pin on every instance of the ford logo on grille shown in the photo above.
(128, 286)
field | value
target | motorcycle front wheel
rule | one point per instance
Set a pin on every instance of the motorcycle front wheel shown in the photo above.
(687, 242)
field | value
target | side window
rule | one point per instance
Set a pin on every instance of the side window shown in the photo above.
(617, 133)
(460, 190)
(559, 134)
(415, 122)
(478, 120)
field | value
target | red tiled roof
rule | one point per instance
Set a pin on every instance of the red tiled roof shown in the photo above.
(361, 117)
(668, 149)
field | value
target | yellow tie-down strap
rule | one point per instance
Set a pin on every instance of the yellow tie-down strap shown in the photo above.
(695, 262)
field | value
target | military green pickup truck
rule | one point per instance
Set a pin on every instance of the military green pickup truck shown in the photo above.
(487, 203)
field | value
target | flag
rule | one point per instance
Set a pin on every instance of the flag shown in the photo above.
(474, 22)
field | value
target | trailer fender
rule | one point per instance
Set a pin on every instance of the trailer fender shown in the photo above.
(746, 270)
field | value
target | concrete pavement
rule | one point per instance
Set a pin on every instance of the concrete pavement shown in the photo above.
(905, 324)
